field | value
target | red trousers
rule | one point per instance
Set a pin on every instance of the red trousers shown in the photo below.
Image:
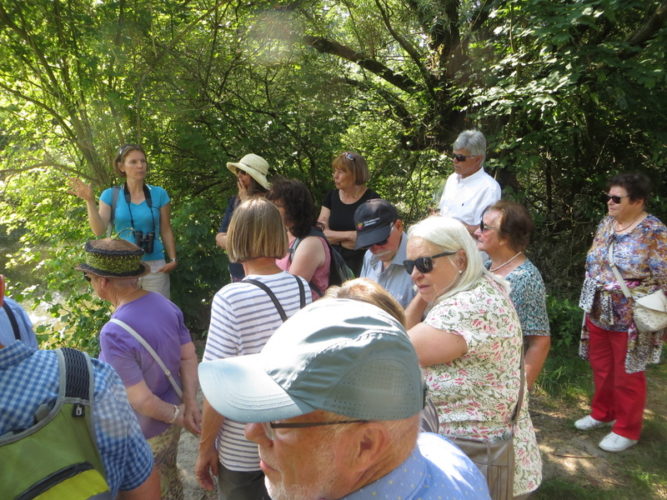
(618, 395)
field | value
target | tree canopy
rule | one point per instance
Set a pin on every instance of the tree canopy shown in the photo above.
(567, 92)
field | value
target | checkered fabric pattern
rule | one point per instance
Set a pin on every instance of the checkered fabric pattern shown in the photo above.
(30, 378)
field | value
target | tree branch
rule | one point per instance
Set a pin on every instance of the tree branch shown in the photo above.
(651, 26)
(334, 48)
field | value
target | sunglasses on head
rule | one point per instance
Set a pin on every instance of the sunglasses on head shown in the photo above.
(615, 198)
(462, 157)
(423, 264)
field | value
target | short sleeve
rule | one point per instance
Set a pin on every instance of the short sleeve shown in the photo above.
(159, 196)
(118, 349)
(107, 196)
(127, 457)
(328, 199)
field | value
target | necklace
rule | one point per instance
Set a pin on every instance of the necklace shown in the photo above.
(494, 269)
(619, 229)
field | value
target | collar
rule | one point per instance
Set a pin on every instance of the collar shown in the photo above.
(471, 178)
(394, 484)
(14, 353)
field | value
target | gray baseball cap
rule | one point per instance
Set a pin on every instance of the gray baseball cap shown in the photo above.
(339, 355)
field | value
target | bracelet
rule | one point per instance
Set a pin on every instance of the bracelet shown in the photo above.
(172, 260)
(177, 412)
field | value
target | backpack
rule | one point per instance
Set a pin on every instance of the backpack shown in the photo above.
(339, 271)
(274, 299)
(57, 457)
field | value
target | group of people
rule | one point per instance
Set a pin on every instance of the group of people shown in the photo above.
(317, 391)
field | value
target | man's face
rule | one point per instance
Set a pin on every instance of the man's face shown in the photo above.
(386, 251)
(469, 165)
(303, 464)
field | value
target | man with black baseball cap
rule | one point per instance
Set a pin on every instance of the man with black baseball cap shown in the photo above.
(381, 231)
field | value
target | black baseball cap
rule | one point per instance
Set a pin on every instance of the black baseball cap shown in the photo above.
(373, 221)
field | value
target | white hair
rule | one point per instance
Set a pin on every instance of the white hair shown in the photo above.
(450, 235)
(472, 140)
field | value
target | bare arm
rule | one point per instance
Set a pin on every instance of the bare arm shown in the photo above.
(308, 257)
(97, 218)
(148, 490)
(167, 238)
(535, 355)
(206, 466)
(414, 313)
(221, 240)
(148, 404)
(191, 414)
(435, 347)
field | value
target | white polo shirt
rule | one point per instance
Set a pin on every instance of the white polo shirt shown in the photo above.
(466, 198)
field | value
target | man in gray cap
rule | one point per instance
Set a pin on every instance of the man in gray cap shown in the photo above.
(333, 401)
(381, 231)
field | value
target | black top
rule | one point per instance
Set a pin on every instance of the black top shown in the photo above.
(342, 214)
(342, 219)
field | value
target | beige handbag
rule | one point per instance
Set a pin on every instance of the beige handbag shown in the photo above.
(649, 311)
(496, 460)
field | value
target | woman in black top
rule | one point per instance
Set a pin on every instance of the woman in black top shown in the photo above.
(350, 175)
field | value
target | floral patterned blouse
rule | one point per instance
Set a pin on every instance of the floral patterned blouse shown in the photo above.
(529, 297)
(476, 394)
(641, 258)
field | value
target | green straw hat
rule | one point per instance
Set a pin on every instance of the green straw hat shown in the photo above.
(113, 258)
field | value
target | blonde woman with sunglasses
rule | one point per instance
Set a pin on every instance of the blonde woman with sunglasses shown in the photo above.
(468, 340)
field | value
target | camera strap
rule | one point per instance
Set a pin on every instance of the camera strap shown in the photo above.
(149, 202)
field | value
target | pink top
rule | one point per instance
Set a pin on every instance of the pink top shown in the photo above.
(321, 275)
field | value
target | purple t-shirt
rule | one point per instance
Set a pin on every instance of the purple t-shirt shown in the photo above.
(160, 322)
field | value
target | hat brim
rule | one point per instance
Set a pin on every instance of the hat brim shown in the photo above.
(238, 388)
(370, 237)
(142, 270)
(260, 178)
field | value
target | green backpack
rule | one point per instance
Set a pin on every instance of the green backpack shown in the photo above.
(57, 457)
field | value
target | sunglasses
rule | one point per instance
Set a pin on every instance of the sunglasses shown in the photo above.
(462, 157)
(484, 228)
(616, 199)
(87, 278)
(423, 264)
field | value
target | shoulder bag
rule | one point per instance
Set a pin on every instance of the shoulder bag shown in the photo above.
(495, 459)
(152, 352)
(649, 311)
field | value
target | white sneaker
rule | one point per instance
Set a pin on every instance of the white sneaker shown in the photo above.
(587, 423)
(614, 443)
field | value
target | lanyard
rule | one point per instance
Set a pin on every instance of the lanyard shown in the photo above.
(128, 200)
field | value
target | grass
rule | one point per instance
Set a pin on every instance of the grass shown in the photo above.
(563, 394)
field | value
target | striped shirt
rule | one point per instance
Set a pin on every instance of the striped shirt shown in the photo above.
(243, 317)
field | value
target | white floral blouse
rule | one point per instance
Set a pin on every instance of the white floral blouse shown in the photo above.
(477, 393)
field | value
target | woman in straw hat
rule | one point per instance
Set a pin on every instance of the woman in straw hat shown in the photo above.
(250, 172)
(145, 321)
(139, 212)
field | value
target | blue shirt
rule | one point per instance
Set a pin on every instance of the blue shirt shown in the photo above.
(23, 322)
(394, 279)
(436, 470)
(141, 214)
(30, 378)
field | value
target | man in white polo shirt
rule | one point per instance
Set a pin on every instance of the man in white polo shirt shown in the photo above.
(469, 190)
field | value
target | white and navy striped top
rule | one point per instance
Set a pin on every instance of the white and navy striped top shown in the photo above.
(243, 317)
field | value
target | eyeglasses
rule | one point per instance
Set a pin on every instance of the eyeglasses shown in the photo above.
(269, 426)
(462, 157)
(423, 264)
(615, 198)
(484, 228)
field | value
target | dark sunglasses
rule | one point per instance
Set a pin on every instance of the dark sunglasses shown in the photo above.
(483, 227)
(86, 277)
(462, 157)
(423, 264)
(616, 199)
